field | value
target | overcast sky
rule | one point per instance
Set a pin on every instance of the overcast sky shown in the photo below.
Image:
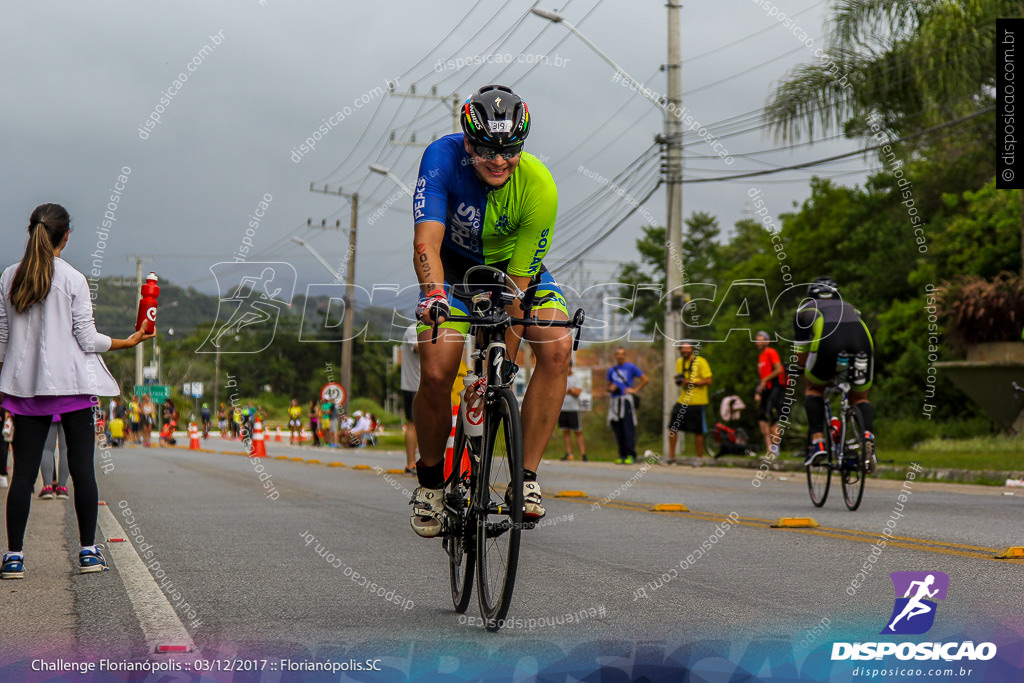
(80, 81)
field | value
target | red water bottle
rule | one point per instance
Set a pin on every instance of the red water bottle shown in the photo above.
(834, 426)
(147, 305)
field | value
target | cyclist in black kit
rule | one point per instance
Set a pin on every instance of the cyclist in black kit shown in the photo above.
(825, 329)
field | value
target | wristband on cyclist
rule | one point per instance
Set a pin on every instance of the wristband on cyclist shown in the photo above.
(432, 298)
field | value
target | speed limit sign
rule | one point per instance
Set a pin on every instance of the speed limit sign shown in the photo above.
(333, 392)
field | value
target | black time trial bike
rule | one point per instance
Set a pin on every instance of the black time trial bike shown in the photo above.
(483, 501)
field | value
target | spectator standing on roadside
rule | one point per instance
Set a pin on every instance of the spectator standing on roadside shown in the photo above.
(222, 420)
(410, 384)
(769, 391)
(50, 364)
(55, 449)
(693, 375)
(569, 418)
(622, 404)
(295, 422)
(314, 422)
(135, 419)
(328, 418)
(148, 420)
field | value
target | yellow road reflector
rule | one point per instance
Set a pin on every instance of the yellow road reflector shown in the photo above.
(313, 462)
(670, 507)
(396, 471)
(297, 459)
(336, 464)
(794, 523)
(361, 467)
(1015, 552)
(570, 494)
(280, 457)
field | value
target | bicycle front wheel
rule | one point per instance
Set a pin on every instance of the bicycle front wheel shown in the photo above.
(854, 469)
(460, 538)
(499, 506)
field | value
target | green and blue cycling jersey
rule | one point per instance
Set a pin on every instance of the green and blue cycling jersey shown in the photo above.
(508, 227)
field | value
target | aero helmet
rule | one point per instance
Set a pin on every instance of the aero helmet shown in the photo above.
(823, 287)
(495, 117)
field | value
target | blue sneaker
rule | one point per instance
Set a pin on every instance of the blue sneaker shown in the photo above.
(816, 455)
(13, 568)
(91, 561)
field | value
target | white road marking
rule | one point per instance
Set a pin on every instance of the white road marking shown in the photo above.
(160, 623)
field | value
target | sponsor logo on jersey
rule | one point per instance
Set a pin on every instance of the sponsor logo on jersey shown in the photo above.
(465, 228)
(419, 202)
(538, 256)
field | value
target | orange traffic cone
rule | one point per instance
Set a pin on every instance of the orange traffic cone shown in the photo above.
(258, 448)
(193, 437)
(277, 434)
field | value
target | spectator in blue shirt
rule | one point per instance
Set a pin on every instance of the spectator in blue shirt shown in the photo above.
(624, 381)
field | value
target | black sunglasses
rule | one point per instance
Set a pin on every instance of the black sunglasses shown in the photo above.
(490, 152)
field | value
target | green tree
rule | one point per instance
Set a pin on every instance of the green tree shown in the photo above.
(910, 63)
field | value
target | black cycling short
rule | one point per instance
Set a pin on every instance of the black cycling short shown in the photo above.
(771, 404)
(407, 397)
(853, 338)
(569, 419)
(687, 418)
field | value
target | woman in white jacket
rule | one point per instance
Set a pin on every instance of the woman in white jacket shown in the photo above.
(50, 365)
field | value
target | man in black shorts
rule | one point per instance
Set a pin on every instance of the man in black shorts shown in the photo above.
(828, 329)
(693, 376)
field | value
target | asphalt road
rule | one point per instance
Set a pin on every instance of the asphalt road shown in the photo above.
(265, 559)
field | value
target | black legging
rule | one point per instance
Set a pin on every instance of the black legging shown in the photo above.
(29, 438)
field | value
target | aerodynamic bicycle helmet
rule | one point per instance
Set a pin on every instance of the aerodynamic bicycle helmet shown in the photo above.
(495, 117)
(823, 287)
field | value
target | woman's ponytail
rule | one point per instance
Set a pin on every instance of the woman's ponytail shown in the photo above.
(47, 227)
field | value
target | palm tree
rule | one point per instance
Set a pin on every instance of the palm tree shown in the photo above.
(909, 64)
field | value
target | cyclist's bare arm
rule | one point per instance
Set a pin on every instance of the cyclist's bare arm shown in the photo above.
(515, 334)
(427, 241)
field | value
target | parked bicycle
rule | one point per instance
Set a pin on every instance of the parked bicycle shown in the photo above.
(846, 448)
(483, 502)
(725, 440)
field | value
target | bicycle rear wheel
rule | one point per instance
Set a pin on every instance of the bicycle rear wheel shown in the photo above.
(819, 479)
(499, 507)
(854, 469)
(460, 539)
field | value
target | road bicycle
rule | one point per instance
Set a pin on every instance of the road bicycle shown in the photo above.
(483, 501)
(845, 448)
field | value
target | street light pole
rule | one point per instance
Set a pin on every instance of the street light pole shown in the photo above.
(673, 175)
(376, 168)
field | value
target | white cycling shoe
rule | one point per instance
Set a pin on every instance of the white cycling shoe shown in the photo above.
(427, 511)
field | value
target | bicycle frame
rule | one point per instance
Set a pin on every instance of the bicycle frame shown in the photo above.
(470, 508)
(842, 389)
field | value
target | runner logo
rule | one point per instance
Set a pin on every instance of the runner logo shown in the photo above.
(251, 297)
(914, 612)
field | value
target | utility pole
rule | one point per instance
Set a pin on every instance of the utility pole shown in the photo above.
(454, 97)
(350, 288)
(673, 177)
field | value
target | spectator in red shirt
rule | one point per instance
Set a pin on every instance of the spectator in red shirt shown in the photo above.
(769, 391)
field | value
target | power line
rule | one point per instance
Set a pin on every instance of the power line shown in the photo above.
(816, 162)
